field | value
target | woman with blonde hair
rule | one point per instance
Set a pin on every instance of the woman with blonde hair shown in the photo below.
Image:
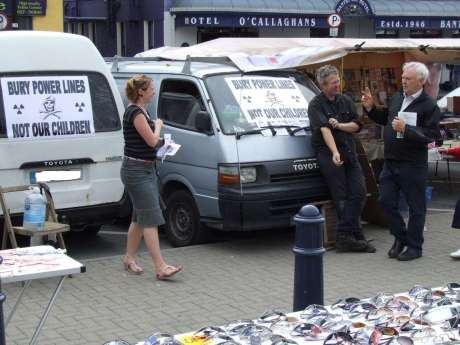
(142, 138)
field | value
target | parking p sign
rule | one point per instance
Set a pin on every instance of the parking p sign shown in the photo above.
(3, 21)
(334, 20)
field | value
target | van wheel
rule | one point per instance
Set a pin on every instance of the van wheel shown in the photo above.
(182, 220)
(92, 229)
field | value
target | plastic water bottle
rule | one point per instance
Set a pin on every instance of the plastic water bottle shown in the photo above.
(34, 210)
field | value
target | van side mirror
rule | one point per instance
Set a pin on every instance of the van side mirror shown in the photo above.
(203, 122)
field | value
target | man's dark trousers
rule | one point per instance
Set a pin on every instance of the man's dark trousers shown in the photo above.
(348, 190)
(410, 178)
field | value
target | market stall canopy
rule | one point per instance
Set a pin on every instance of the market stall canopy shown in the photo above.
(442, 103)
(256, 54)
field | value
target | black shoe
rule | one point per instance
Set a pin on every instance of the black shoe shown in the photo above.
(345, 242)
(410, 254)
(396, 249)
(360, 237)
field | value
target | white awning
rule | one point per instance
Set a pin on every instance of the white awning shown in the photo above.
(256, 54)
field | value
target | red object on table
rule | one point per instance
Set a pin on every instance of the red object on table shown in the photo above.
(453, 151)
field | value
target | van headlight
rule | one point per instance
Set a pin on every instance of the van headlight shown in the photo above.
(231, 176)
(248, 174)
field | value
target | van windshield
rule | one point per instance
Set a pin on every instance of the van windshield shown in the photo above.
(250, 102)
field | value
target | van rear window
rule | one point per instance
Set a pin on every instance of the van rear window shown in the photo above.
(105, 115)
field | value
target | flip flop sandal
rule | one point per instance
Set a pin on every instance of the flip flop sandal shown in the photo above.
(168, 272)
(132, 267)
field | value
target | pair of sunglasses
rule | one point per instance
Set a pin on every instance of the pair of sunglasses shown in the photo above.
(339, 338)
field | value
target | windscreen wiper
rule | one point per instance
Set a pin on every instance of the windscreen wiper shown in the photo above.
(289, 128)
(298, 129)
(238, 135)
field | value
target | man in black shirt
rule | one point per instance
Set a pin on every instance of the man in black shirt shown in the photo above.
(333, 120)
(406, 157)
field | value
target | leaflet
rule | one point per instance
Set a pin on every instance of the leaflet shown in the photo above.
(409, 117)
(170, 148)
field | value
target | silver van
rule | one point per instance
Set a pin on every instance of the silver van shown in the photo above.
(246, 161)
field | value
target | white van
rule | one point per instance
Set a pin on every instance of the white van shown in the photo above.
(60, 124)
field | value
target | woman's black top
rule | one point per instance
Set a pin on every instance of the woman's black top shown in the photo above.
(135, 145)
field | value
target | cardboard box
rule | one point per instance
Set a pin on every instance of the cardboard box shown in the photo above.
(453, 104)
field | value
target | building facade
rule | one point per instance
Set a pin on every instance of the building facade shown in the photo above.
(126, 27)
(44, 15)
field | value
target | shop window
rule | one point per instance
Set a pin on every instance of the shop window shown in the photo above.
(425, 33)
(151, 35)
(179, 103)
(207, 34)
(319, 32)
(456, 34)
(387, 33)
(121, 39)
(92, 32)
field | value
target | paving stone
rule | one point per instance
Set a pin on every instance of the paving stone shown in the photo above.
(241, 278)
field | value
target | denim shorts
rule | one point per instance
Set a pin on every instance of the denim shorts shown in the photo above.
(140, 180)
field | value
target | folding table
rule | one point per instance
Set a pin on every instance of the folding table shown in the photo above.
(32, 263)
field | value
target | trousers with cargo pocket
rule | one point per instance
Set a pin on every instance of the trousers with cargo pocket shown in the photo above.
(348, 190)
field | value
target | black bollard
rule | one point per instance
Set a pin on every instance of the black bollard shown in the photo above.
(308, 250)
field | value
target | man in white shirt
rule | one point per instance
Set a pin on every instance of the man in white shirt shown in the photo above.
(406, 157)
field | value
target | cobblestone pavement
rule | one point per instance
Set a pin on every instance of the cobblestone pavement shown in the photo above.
(241, 278)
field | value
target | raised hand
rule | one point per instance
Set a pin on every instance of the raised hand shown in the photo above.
(366, 99)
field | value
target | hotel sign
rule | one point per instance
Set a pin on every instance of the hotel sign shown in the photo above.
(251, 21)
(417, 23)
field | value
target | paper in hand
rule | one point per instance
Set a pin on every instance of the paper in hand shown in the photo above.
(409, 117)
(170, 148)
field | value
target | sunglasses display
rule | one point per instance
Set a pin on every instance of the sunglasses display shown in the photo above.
(422, 316)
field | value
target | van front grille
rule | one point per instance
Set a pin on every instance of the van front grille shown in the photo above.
(292, 177)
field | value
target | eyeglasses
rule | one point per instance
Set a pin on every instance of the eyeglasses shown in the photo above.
(309, 330)
(256, 330)
(208, 332)
(237, 326)
(418, 291)
(452, 286)
(280, 340)
(442, 314)
(161, 339)
(313, 310)
(360, 309)
(345, 303)
(117, 342)
(337, 326)
(339, 338)
(401, 340)
(381, 299)
(383, 335)
(222, 339)
(272, 316)
(380, 316)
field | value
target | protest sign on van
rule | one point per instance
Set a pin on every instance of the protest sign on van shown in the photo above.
(268, 101)
(47, 107)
